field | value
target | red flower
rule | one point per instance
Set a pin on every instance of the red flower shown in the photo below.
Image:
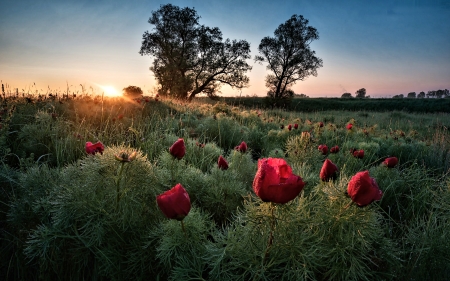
(242, 147)
(178, 149)
(289, 127)
(334, 149)
(320, 124)
(94, 148)
(390, 162)
(174, 203)
(329, 170)
(363, 189)
(275, 182)
(296, 126)
(323, 148)
(349, 126)
(358, 154)
(222, 163)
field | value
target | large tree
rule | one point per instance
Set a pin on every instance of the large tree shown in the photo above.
(288, 55)
(189, 58)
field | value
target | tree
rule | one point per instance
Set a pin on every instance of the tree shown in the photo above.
(398, 96)
(189, 58)
(361, 93)
(288, 55)
(411, 95)
(346, 95)
(421, 95)
(132, 91)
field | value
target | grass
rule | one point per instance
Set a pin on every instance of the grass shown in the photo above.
(68, 215)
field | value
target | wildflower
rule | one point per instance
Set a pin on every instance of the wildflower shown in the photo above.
(174, 203)
(358, 153)
(281, 126)
(275, 182)
(125, 157)
(363, 189)
(320, 124)
(120, 116)
(242, 147)
(222, 163)
(178, 149)
(334, 149)
(323, 148)
(94, 148)
(329, 170)
(296, 126)
(349, 126)
(289, 127)
(390, 162)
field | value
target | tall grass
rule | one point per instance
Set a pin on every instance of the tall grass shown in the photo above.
(66, 215)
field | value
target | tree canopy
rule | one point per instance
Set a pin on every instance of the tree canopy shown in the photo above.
(189, 58)
(288, 55)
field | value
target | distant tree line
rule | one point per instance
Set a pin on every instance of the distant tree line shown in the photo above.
(430, 94)
(361, 93)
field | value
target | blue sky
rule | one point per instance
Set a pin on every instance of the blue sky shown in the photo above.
(388, 47)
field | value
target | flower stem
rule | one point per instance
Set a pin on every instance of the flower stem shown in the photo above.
(184, 230)
(272, 229)
(119, 179)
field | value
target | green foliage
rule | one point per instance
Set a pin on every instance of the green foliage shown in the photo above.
(68, 215)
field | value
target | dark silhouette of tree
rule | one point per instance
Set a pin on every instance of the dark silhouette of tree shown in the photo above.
(289, 56)
(189, 58)
(301, 96)
(431, 94)
(412, 95)
(361, 93)
(398, 96)
(421, 95)
(132, 91)
(346, 95)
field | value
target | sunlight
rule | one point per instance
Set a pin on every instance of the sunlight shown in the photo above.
(110, 91)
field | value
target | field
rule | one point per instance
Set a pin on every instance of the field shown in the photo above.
(66, 214)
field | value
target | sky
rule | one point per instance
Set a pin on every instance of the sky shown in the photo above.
(388, 47)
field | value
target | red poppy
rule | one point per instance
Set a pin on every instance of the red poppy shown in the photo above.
(289, 127)
(334, 149)
(275, 182)
(178, 149)
(323, 148)
(94, 148)
(222, 163)
(242, 147)
(174, 203)
(363, 189)
(329, 170)
(358, 153)
(320, 124)
(390, 162)
(349, 126)
(296, 126)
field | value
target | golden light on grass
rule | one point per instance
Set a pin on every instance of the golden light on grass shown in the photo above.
(110, 91)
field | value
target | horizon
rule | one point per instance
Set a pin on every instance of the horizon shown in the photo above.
(388, 48)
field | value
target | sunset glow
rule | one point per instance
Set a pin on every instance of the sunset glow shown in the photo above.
(110, 91)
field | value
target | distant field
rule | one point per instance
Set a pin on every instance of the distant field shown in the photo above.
(381, 105)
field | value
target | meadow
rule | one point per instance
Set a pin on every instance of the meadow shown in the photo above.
(68, 213)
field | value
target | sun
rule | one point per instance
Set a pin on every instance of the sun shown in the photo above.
(110, 91)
